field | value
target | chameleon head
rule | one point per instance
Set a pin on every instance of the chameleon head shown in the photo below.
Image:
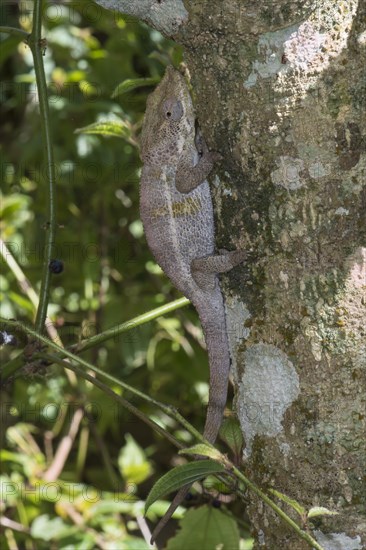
(169, 120)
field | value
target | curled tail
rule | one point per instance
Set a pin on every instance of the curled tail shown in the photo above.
(214, 328)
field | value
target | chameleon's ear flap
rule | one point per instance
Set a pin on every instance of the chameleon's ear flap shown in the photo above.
(172, 109)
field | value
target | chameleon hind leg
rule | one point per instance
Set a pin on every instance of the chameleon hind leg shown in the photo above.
(205, 269)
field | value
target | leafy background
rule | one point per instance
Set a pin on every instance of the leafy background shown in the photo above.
(97, 498)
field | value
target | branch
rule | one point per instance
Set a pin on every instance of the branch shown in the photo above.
(19, 33)
(85, 366)
(128, 325)
(26, 287)
(252, 487)
(37, 47)
(107, 390)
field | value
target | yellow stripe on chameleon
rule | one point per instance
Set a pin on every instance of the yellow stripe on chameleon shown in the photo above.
(190, 205)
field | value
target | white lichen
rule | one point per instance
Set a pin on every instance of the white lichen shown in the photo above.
(338, 541)
(284, 279)
(267, 388)
(304, 45)
(361, 39)
(342, 211)
(318, 170)
(236, 314)
(287, 174)
(270, 50)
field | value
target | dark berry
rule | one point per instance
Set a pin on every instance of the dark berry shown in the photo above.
(56, 266)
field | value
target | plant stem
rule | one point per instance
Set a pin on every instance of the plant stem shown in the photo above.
(83, 364)
(37, 48)
(165, 408)
(108, 391)
(15, 364)
(15, 32)
(128, 325)
(312, 542)
(11, 366)
(26, 287)
(252, 487)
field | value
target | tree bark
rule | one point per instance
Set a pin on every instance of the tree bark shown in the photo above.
(279, 88)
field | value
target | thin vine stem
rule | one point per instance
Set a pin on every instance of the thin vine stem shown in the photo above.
(291, 523)
(115, 331)
(108, 391)
(18, 362)
(165, 408)
(83, 363)
(37, 46)
(19, 33)
(26, 287)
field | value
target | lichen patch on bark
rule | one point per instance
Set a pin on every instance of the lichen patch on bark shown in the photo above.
(268, 387)
(338, 541)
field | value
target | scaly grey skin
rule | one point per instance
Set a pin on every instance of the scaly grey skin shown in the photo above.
(177, 214)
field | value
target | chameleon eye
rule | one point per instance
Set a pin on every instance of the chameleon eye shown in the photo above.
(173, 109)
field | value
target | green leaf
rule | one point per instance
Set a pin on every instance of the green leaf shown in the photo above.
(116, 128)
(132, 462)
(21, 301)
(123, 504)
(133, 83)
(134, 543)
(45, 528)
(14, 213)
(181, 475)
(231, 434)
(291, 502)
(206, 528)
(204, 450)
(320, 511)
(8, 47)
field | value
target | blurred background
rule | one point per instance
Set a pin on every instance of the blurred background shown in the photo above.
(75, 466)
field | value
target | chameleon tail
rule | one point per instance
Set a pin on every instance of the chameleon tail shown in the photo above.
(177, 500)
(219, 360)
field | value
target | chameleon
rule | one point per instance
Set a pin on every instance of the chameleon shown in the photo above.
(177, 215)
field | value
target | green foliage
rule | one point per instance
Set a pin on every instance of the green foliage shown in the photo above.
(315, 511)
(116, 128)
(180, 476)
(231, 433)
(206, 528)
(132, 462)
(133, 83)
(290, 501)
(204, 450)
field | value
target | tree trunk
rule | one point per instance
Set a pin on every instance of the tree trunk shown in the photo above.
(279, 88)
